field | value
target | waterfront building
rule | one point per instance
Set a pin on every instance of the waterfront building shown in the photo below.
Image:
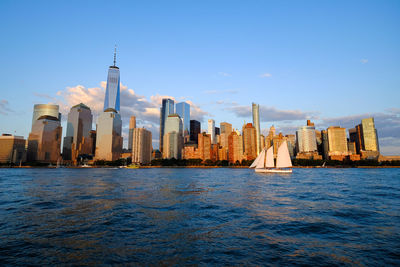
(173, 139)
(270, 136)
(40, 110)
(77, 140)
(369, 135)
(204, 147)
(190, 151)
(337, 143)
(12, 149)
(291, 142)
(141, 146)
(277, 140)
(307, 142)
(351, 147)
(223, 153)
(211, 130)
(44, 140)
(183, 110)
(235, 147)
(249, 141)
(112, 97)
(108, 136)
(167, 108)
(225, 128)
(132, 126)
(256, 125)
(109, 123)
(195, 129)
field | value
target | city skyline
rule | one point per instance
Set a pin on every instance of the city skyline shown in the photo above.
(350, 80)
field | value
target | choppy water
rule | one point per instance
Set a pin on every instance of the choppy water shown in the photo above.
(199, 217)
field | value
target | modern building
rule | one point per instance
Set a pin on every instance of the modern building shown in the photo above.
(235, 147)
(195, 129)
(44, 140)
(108, 136)
(40, 110)
(256, 125)
(183, 110)
(337, 143)
(205, 146)
(211, 130)
(270, 136)
(167, 108)
(249, 141)
(109, 123)
(141, 146)
(132, 126)
(77, 139)
(307, 142)
(225, 127)
(369, 135)
(112, 97)
(173, 139)
(12, 149)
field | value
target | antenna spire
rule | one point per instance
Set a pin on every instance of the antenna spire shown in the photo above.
(115, 54)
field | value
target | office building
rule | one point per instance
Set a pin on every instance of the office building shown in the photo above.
(40, 110)
(205, 146)
(132, 126)
(256, 125)
(337, 143)
(77, 139)
(235, 147)
(12, 149)
(173, 139)
(167, 108)
(225, 128)
(369, 135)
(141, 146)
(112, 97)
(195, 129)
(307, 142)
(183, 110)
(44, 140)
(249, 142)
(211, 130)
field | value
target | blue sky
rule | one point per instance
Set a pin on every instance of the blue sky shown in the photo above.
(332, 61)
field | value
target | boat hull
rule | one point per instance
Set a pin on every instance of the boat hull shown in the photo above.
(273, 170)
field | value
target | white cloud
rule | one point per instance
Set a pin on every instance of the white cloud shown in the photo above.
(225, 74)
(266, 75)
(364, 61)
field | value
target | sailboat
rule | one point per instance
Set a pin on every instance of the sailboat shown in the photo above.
(264, 163)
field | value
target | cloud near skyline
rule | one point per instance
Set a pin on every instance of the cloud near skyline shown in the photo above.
(5, 107)
(266, 75)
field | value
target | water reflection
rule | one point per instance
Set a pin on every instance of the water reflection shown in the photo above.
(204, 216)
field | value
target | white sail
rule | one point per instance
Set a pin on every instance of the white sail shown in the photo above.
(261, 161)
(255, 162)
(270, 158)
(283, 158)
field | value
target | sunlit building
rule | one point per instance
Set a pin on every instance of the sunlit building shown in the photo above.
(256, 125)
(40, 110)
(12, 149)
(307, 142)
(173, 139)
(112, 97)
(141, 146)
(337, 143)
(235, 147)
(44, 140)
(369, 135)
(249, 142)
(77, 140)
(167, 108)
(205, 146)
(211, 130)
(132, 126)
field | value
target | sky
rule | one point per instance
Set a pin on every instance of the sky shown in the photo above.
(334, 62)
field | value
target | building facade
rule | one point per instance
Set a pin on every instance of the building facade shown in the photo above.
(235, 147)
(77, 139)
(195, 129)
(167, 108)
(256, 125)
(12, 149)
(211, 130)
(40, 110)
(249, 141)
(183, 110)
(44, 140)
(132, 126)
(173, 138)
(141, 146)
(112, 97)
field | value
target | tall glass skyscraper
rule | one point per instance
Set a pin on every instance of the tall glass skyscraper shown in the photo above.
(112, 97)
(40, 110)
(183, 110)
(211, 130)
(166, 109)
(256, 124)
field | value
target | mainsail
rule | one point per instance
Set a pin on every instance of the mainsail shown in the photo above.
(283, 157)
(270, 158)
(257, 160)
(261, 161)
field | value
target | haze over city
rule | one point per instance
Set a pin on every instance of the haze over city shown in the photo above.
(333, 63)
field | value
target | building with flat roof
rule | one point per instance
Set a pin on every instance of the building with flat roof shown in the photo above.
(141, 146)
(12, 149)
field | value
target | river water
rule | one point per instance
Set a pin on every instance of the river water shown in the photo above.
(199, 217)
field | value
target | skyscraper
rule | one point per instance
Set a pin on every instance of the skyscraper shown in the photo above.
(195, 129)
(337, 141)
(235, 147)
(183, 110)
(112, 97)
(12, 149)
(44, 141)
(173, 139)
(141, 145)
(40, 110)
(109, 123)
(249, 142)
(306, 139)
(256, 124)
(211, 130)
(77, 139)
(132, 126)
(369, 134)
(167, 108)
